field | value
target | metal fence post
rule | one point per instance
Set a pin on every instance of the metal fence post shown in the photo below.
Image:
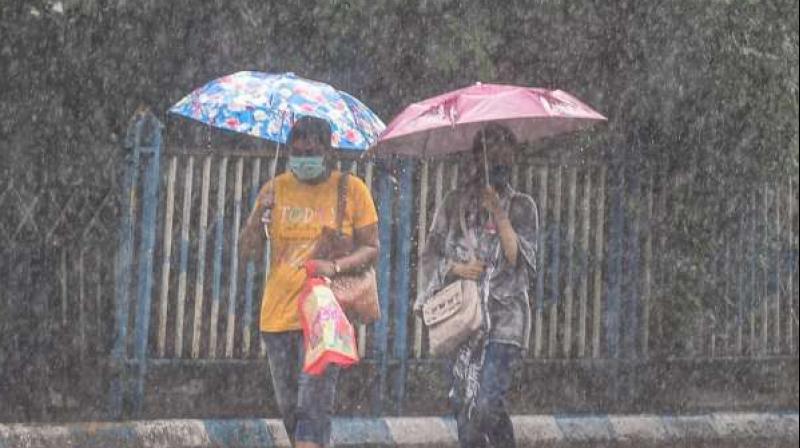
(143, 138)
(379, 349)
(150, 196)
(402, 276)
(123, 266)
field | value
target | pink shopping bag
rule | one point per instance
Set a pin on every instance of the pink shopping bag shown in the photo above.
(327, 334)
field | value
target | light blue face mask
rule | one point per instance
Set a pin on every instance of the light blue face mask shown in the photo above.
(307, 168)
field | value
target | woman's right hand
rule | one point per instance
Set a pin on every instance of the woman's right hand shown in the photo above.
(471, 270)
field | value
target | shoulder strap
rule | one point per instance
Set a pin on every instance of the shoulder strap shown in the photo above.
(341, 200)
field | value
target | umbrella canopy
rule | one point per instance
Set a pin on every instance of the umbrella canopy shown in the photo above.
(448, 123)
(266, 105)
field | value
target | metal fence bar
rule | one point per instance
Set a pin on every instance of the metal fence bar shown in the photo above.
(380, 352)
(216, 282)
(362, 328)
(184, 257)
(599, 240)
(777, 266)
(718, 318)
(454, 172)
(439, 184)
(753, 264)
(647, 261)
(741, 257)
(200, 274)
(583, 262)
(630, 277)
(791, 317)
(63, 277)
(555, 265)
(616, 225)
(543, 229)
(99, 300)
(572, 180)
(166, 262)
(234, 276)
(765, 302)
(63, 280)
(82, 304)
(661, 270)
(726, 296)
(721, 313)
(422, 226)
(249, 284)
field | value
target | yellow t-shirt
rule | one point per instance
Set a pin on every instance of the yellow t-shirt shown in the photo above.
(298, 216)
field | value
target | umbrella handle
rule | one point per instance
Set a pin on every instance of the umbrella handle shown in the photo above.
(274, 168)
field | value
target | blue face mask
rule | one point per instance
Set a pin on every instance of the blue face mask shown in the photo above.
(307, 168)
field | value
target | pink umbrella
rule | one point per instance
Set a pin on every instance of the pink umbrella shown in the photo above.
(448, 123)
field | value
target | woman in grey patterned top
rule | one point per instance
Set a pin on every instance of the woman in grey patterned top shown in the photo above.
(504, 224)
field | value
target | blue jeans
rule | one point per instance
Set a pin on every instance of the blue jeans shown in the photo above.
(490, 425)
(306, 402)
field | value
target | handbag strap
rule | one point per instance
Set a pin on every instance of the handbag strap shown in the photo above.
(341, 201)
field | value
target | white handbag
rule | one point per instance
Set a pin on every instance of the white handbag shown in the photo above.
(454, 313)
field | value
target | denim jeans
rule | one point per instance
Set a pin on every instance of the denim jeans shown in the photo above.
(490, 424)
(306, 402)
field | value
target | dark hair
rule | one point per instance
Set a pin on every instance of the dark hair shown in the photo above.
(311, 127)
(494, 133)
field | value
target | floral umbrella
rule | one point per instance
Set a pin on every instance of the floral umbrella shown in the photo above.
(266, 105)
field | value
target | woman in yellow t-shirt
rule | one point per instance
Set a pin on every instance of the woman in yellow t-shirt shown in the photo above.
(291, 210)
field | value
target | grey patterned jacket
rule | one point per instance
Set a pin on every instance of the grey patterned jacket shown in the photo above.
(509, 304)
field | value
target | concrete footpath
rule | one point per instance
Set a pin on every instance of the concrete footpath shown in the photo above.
(706, 430)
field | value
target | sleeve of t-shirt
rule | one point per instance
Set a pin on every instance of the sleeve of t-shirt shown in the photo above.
(364, 213)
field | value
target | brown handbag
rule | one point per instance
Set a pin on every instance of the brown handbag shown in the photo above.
(356, 291)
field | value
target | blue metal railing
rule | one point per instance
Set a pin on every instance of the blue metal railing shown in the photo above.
(609, 268)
